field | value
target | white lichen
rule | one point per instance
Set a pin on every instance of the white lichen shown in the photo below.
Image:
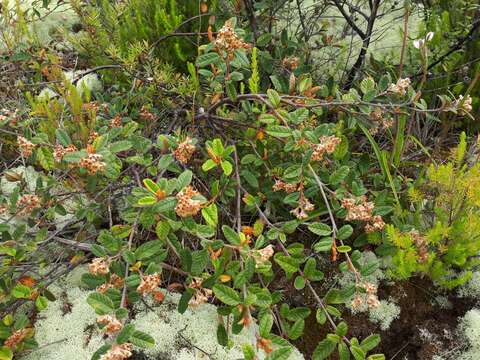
(471, 289)
(66, 329)
(470, 328)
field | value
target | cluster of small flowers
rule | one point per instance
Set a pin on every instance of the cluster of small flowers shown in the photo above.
(112, 324)
(379, 121)
(149, 284)
(16, 338)
(400, 87)
(26, 147)
(61, 151)
(201, 294)
(228, 40)
(327, 145)
(371, 299)
(115, 282)
(91, 106)
(265, 344)
(186, 205)
(118, 352)
(263, 255)
(291, 63)
(92, 136)
(184, 151)
(146, 114)
(304, 205)
(115, 122)
(27, 203)
(463, 105)
(3, 209)
(6, 114)
(281, 185)
(99, 266)
(93, 163)
(421, 244)
(363, 211)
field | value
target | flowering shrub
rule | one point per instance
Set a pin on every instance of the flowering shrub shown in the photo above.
(214, 207)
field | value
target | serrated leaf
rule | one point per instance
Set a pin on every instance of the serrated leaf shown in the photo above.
(231, 235)
(62, 137)
(119, 146)
(142, 340)
(184, 179)
(323, 350)
(279, 131)
(101, 303)
(320, 229)
(148, 249)
(210, 214)
(45, 158)
(345, 232)
(226, 295)
(265, 325)
(357, 352)
(370, 342)
(207, 59)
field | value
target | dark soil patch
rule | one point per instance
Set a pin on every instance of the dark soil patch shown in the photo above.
(403, 340)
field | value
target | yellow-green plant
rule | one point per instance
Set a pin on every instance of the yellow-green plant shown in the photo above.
(444, 241)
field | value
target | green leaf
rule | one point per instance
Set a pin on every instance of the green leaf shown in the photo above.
(208, 165)
(321, 316)
(323, 350)
(296, 330)
(287, 263)
(119, 146)
(184, 299)
(231, 235)
(207, 59)
(6, 353)
(324, 244)
(125, 334)
(282, 353)
(251, 179)
(265, 325)
(344, 249)
(343, 352)
(342, 329)
(165, 205)
(222, 335)
(148, 249)
(151, 185)
(226, 295)
(21, 291)
(345, 232)
(370, 342)
(162, 229)
(320, 229)
(184, 179)
(45, 158)
(338, 175)
(227, 167)
(273, 97)
(210, 214)
(41, 303)
(62, 137)
(357, 352)
(279, 131)
(376, 357)
(142, 340)
(101, 303)
(299, 282)
(147, 201)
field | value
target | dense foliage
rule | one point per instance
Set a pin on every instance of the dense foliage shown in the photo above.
(212, 159)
